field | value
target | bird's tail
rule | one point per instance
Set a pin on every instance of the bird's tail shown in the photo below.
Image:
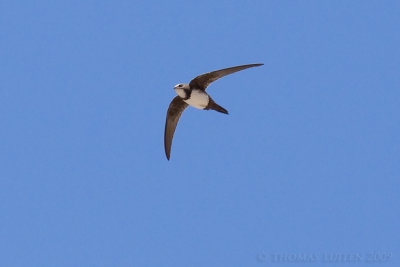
(214, 106)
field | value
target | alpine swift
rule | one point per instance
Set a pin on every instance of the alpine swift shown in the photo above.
(193, 94)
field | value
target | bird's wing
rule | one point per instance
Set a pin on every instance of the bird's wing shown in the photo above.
(202, 81)
(174, 112)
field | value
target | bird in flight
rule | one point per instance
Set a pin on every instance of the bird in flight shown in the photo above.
(194, 94)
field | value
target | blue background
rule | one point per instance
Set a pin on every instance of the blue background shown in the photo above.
(306, 163)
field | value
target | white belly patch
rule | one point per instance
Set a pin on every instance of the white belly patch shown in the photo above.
(198, 99)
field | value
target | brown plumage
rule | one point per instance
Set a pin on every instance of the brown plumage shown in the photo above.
(198, 84)
(204, 80)
(174, 112)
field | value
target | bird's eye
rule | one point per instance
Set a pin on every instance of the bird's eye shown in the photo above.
(180, 85)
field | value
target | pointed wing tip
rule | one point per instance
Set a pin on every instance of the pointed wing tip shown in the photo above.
(167, 155)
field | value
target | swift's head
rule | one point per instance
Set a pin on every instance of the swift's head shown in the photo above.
(180, 89)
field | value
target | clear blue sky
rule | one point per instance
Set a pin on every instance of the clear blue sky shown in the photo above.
(306, 163)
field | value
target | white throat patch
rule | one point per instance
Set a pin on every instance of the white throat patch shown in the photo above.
(180, 92)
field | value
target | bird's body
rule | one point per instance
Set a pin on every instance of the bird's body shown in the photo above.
(193, 97)
(198, 99)
(193, 94)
